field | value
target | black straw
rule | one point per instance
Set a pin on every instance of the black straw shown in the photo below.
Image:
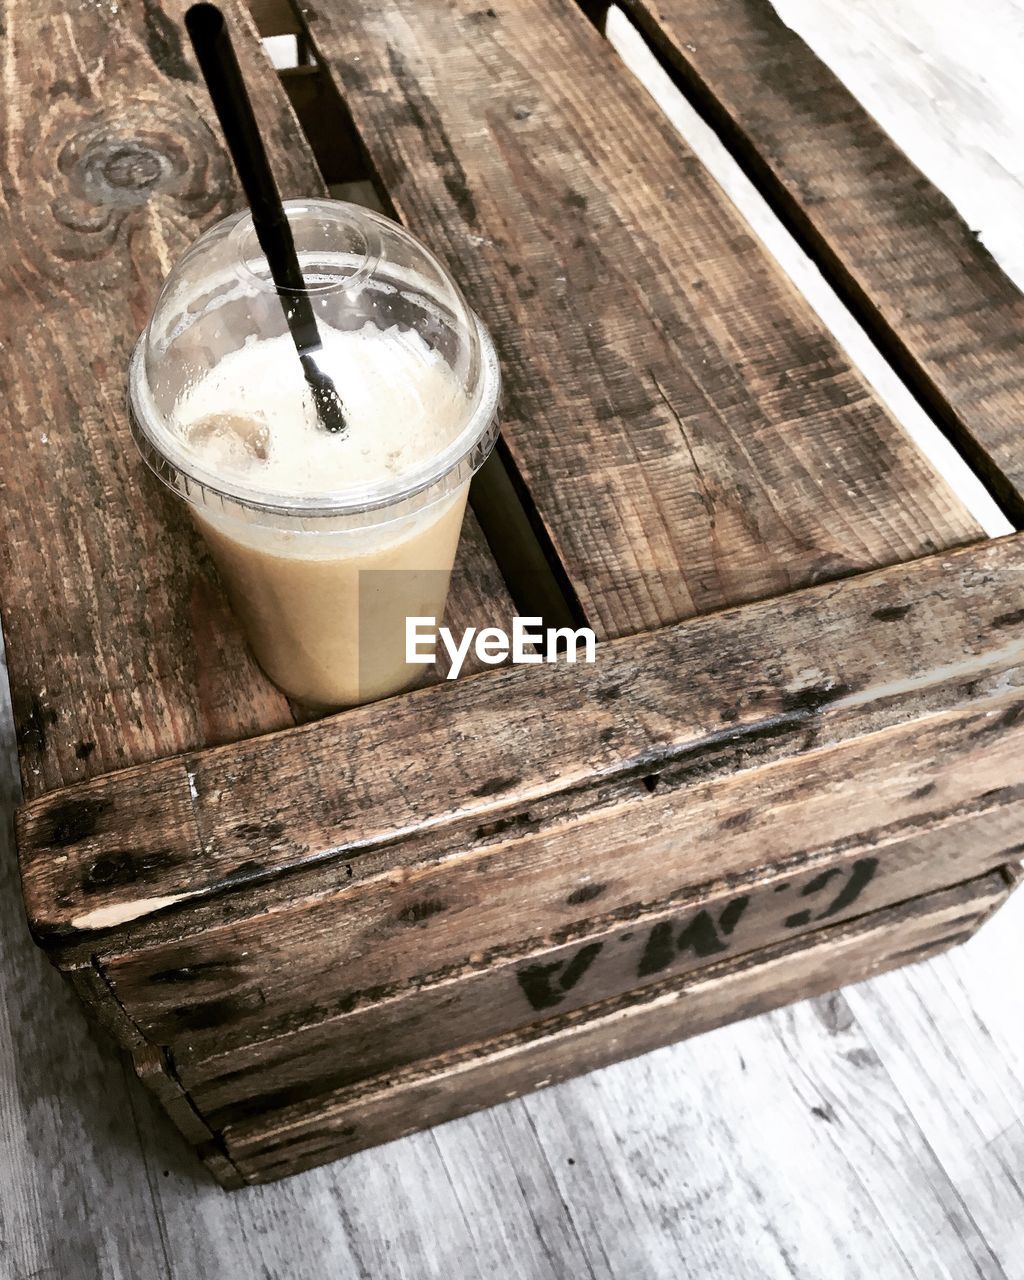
(212, 42)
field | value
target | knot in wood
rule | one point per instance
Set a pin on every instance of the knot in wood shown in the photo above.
(123, 172)
(125, 162)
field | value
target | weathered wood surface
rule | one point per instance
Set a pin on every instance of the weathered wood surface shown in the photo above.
(689, 435)
(122, 647)
(394, 923)
(695, 1152)
(390, 1026)
(893, 245)
(689, 1158)
(951, 1036)
(896, 728)
(306, 1133)
(869, 66)
(491, 762)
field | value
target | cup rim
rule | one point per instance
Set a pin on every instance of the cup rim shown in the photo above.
(197, 484)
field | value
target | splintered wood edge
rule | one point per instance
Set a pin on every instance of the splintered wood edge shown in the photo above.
(875, 650)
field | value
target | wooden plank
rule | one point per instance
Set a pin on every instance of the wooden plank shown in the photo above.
(121, 645)
(767, 1150)
(951, 1036)
(151, 1068)
(514, 760)
(304, 957)
(888, 240)
(308, 1133)
(387, 1027)
(833, 662)
(689, 435)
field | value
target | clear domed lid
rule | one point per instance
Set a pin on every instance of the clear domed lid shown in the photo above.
(219, 402)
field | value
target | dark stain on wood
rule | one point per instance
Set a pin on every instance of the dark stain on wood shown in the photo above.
(1012, 619)
(608, 693)
(997, 795)
(813, 698)
(418, 912)
(252, 831)
(164, 42)
(206, 1014)
(194, 972)
(701, 937)
(659, 952)
(32, 727)
(125, 867)
(861, 874)
(72, 821)
(891, 612)
(545, 985)
(862, 1056)
(247, 870)
(732, 913)
(919, 793)
(83, 750)
(493, 786)
(857, 880)
(424, 116)
(585, 893)
(998, 723)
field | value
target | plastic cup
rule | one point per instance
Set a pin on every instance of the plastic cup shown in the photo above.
(325, 543)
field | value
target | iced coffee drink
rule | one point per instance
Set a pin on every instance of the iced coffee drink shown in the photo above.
(326, 541)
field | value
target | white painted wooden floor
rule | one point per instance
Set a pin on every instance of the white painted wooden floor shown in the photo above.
(875, 1134)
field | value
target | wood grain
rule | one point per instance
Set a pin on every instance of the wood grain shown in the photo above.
(246, 976)
(689, 435)
(688, 1160)
(506, 765)
(960, 1072)
(309, 1133)
(790, 1109)
(121, 645)
(309, 956)
(391, 1026)
(892, 244)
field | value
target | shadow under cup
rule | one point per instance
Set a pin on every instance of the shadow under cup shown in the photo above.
(322, 580)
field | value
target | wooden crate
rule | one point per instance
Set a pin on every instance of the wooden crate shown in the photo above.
(797, 759)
